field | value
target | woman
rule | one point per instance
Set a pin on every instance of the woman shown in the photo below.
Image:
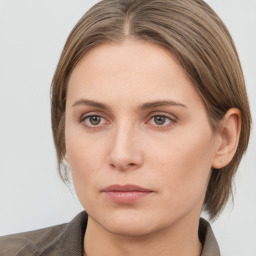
(149, 110)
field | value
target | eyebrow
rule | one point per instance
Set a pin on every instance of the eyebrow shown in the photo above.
(89, 103)
(161, 103)
(144, 106)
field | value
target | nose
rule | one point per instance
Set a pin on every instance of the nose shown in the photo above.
(125, 148)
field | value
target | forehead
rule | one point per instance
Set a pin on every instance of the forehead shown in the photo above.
(131, 70)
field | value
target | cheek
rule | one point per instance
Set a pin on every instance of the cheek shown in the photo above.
(83, 150)
(85, 158)
(84, 165)
(185, 164)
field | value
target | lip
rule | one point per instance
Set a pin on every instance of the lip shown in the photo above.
(126, 194)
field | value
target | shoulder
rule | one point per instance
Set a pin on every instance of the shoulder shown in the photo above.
(29, 243)
(47, 241)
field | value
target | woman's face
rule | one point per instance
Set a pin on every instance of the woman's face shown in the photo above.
(138, 140)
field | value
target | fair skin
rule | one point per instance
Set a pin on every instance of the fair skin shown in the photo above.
(133, 117)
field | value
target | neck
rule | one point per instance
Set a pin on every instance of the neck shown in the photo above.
(179, 239)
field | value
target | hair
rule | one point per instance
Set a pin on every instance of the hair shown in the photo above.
(196, 37)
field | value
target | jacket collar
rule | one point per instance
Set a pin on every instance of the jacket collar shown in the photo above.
(74, 233)
(206, 236)
(68, 238)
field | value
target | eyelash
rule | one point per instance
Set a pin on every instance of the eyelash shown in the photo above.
(171, 120)
(91, 126)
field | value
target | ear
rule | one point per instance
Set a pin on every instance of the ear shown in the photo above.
(230, 127)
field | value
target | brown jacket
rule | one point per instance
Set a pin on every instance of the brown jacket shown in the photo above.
(67, 240)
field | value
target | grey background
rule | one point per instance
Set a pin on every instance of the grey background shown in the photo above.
(32, 35)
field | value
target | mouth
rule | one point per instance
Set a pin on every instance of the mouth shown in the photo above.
(126, 194)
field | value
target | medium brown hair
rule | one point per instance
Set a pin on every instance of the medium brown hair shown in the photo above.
(199, 40)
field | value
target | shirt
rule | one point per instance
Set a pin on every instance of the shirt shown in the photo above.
(67, 240)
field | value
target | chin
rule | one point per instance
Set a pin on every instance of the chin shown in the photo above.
(128, 229)
(128, 223)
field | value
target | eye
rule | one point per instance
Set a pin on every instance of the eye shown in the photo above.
(161, 120)
(93, 121)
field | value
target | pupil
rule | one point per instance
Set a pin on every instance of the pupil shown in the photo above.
(159, 120)
(94, 120)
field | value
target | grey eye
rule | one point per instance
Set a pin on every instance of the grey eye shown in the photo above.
(160, 120)
(94, 120)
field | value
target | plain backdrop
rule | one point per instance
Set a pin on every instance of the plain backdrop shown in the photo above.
(32, 35)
